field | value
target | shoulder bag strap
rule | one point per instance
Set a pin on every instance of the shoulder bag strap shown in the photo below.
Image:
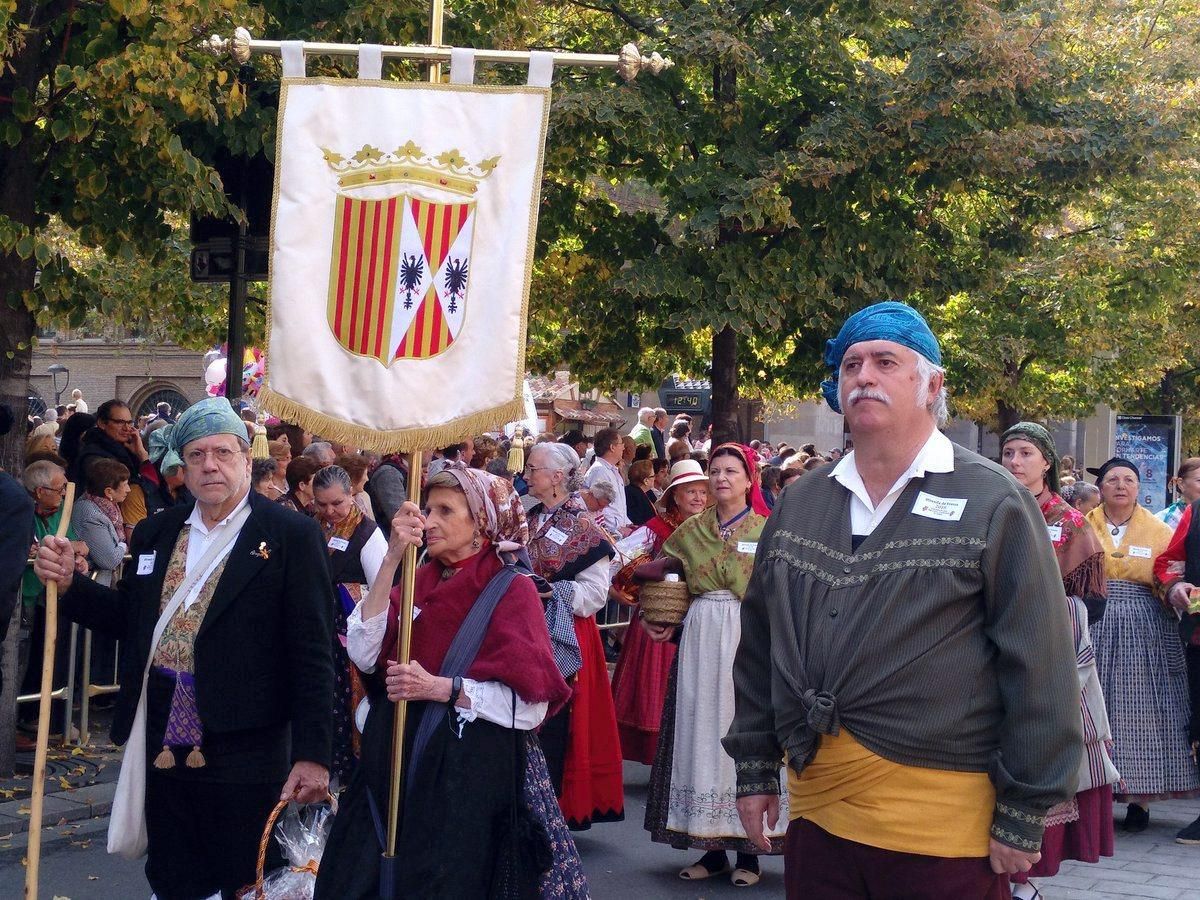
(463, 650)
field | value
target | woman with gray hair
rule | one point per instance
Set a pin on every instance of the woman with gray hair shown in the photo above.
(356, 549)
(571, 554)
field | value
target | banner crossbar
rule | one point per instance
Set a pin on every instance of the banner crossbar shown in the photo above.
(629, 62)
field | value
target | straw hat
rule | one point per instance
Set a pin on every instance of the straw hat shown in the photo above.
(684, 472)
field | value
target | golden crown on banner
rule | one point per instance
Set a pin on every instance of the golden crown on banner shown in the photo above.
(449, 171)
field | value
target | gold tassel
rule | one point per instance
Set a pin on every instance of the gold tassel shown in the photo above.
(382, 441)
(165, 759)
(195, 759)
(259, 449)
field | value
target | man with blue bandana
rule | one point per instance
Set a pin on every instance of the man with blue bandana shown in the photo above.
(225, 614)
(905, 647)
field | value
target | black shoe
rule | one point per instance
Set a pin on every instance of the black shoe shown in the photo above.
(1136, 819)
(1190, 834)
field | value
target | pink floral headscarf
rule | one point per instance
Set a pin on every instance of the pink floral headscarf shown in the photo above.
(494, 505)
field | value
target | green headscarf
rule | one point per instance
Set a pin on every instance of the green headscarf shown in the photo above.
(158, 444)
(1040, 438)
(212, 415)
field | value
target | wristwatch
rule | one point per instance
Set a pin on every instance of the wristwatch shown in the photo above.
(455, 690)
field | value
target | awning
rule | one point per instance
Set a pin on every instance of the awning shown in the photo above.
(602, 414)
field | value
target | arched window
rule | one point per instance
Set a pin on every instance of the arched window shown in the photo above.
(35, 405)
(149, 404)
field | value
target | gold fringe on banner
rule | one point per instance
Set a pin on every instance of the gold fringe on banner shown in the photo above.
(405, 440)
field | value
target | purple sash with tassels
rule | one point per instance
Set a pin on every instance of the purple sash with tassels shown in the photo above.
(183, 722)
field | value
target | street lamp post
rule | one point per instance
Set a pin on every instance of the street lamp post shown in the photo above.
(56, 370)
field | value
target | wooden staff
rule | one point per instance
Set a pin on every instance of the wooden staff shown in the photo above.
(403, 656)
(34, 853)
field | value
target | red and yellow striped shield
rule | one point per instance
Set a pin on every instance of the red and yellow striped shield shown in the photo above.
(398, 282)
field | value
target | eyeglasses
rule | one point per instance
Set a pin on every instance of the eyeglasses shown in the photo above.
(222, 455)
(537, 468)
(120, 421)
(62, 491)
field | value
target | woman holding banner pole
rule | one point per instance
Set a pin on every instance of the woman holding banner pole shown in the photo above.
(468, 751)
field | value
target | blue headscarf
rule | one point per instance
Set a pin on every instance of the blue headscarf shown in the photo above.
(158, 443)
(212, 415)
(887, 321)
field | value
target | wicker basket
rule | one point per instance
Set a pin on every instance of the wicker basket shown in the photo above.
(665, 602)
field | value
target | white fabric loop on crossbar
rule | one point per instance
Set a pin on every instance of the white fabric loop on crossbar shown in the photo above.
(292, 53)
(370, 62)
(462, 65)
(541, 68)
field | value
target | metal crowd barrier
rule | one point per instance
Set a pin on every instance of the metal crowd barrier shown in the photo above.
(87, 690)
(614, 615)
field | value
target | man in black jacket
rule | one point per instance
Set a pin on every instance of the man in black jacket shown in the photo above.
(16, 536)
(226, 616)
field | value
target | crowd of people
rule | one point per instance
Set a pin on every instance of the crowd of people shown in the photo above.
(259, 598)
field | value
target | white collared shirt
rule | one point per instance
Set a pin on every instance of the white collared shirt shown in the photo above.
(603, 470)
(936, 455)
(198, 543)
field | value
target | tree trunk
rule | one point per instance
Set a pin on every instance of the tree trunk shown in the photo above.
(725, 340)
(1007, 416)
(9, 688)
(18, 196)
(724, 387)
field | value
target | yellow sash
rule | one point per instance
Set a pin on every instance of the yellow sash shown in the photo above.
(857, 795)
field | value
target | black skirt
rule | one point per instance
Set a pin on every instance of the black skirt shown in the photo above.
(456, 807)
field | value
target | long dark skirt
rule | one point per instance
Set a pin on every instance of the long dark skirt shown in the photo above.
(455, 809)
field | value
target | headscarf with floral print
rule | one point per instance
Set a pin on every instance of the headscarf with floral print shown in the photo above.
(494, 506)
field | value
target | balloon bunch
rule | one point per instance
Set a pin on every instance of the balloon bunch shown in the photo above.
(216, 376)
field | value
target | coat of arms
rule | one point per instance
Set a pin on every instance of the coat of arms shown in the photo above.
(401, 263)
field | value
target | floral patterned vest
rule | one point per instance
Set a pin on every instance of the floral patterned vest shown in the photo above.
(176, 648)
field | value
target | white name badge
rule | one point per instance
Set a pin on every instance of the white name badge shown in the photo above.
(1140, 552)
(557, 535)
(747, 547)
(947, 509)
(1055, 532)
(146, 563)
(337, 543)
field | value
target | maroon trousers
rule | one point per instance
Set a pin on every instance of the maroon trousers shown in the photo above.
(819, 864)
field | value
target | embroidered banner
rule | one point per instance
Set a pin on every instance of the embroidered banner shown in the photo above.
(402, 243)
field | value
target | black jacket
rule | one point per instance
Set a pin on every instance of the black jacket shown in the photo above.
(264, 653)
(16, 537)
(95, 444)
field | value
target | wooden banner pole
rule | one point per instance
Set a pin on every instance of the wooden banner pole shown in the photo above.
(34, 852)
(403, 655)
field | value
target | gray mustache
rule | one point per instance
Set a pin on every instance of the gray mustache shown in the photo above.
(868, 394)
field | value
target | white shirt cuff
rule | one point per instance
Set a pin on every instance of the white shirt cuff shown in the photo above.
(364, 638)
(493, 702)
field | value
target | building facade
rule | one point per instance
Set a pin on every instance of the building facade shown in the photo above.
(139, 372)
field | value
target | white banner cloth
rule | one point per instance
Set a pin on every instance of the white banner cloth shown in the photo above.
(402, 240)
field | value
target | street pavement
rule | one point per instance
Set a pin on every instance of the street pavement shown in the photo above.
(619, 858)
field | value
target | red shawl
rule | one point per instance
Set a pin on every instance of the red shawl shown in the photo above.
(515, 650)
(1080, 556)
(662, 530)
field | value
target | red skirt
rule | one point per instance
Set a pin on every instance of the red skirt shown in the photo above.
(1086, 839)
(593, 788)
(639, 688)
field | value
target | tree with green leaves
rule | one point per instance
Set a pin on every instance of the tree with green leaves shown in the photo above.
(111, 117)
(803, 160)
